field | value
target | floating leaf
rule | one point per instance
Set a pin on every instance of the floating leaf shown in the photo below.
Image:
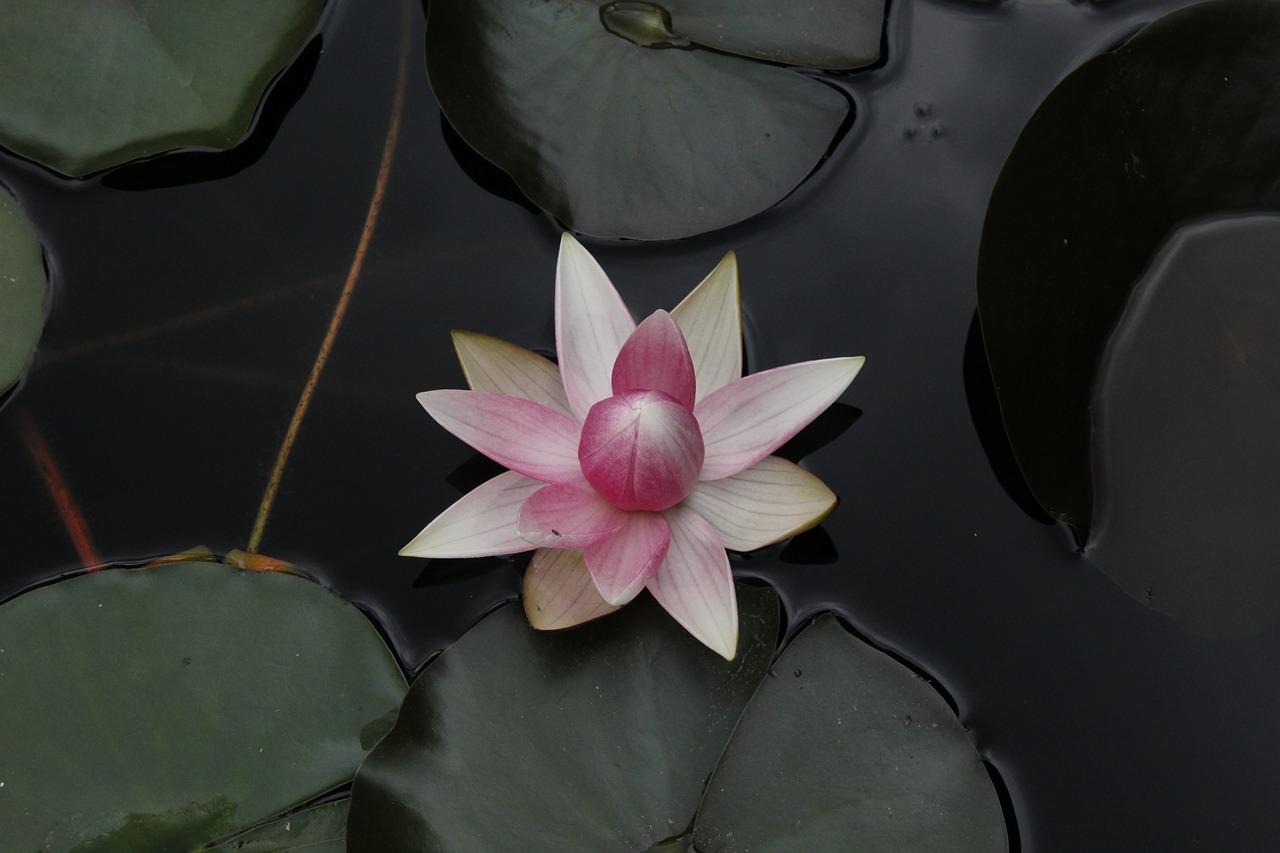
(23, 289)
(1179, 123)
(615, 118)
(844, 748)
(603, 737)
(321, 829)
(596, 738)
(86, 85)
(167, 707)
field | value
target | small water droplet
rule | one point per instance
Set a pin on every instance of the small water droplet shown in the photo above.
(910, 131)
(923, 109)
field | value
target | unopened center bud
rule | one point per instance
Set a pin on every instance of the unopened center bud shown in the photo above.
(641, 450)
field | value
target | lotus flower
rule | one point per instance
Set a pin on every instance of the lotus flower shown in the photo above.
(637, 461)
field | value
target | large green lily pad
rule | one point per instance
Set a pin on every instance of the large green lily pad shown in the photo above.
(603, 738)
(165, 708)
(89, 84)
(618, 119)
(23, 290)
(1137, 382)
(1179, 123)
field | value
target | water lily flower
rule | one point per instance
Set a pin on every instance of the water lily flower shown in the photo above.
(637, 460)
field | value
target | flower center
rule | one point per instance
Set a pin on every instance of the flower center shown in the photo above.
(641, 450)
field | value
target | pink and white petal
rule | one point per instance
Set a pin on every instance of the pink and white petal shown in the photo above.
(481, 524)
(522, 435)
(622, 564)
(492, 364)
(711, 319)
(747, 420)
(766, 503)
(695, 585)
(656, 358)
(559, 592)
(568, 517)
(592, 324)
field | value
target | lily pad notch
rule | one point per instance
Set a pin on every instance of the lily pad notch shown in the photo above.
(648, 121)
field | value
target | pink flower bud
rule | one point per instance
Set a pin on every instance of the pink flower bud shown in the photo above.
(641, 450)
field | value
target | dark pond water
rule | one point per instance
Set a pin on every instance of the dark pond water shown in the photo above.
(192, 293)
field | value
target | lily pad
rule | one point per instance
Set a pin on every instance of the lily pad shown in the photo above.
(603, 737)
(320, 829)
(1179, 123)
(1186, 412)
(168, 707)
(633, 119)
(844, 748)
(23, 290)
(86, 85)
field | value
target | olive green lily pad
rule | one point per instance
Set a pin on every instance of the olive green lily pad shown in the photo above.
(603, 738)
(1179, 123)
(166, 708)
(23, 290)
(320, 829)
(90, 84)
(629, 119)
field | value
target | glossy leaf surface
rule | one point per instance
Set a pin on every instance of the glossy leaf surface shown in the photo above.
(167, 707)
(1179, 123)
(23, 290)
(321, 829)
(620, 123)
(596, 738)
(844, 748)
(86, 85)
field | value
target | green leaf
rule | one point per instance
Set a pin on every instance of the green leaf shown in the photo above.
(596, 738)
(844, 748)
(1179, 123)
(90, 84)
(23, 290)
(616, 119)
(165, 708)
(320, 829)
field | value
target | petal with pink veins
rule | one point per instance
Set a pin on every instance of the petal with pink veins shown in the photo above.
(711, 319)
(622, 564)
(747, 420)
(695, 585)
(766, 503)
(656, 358)
(559, 592)
(568, 517)
(522, 435)
(592, 324)
(481, 524)
(492, 364)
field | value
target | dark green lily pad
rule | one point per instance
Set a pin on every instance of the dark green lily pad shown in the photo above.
(603, 738)
(844, 748)
(1186, 415)
(321, 829)
(1179, 123)
(90, 84)
(23, 290)
(165, 708)
(617, 119)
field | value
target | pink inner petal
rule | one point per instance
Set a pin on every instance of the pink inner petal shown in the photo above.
(622, 564)
(520, 434)
(656, 358)
(567, 517)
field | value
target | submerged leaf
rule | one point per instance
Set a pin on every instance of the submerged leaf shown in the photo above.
(86, 85)
(23, 289)
(167, 707)
(615, 118)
